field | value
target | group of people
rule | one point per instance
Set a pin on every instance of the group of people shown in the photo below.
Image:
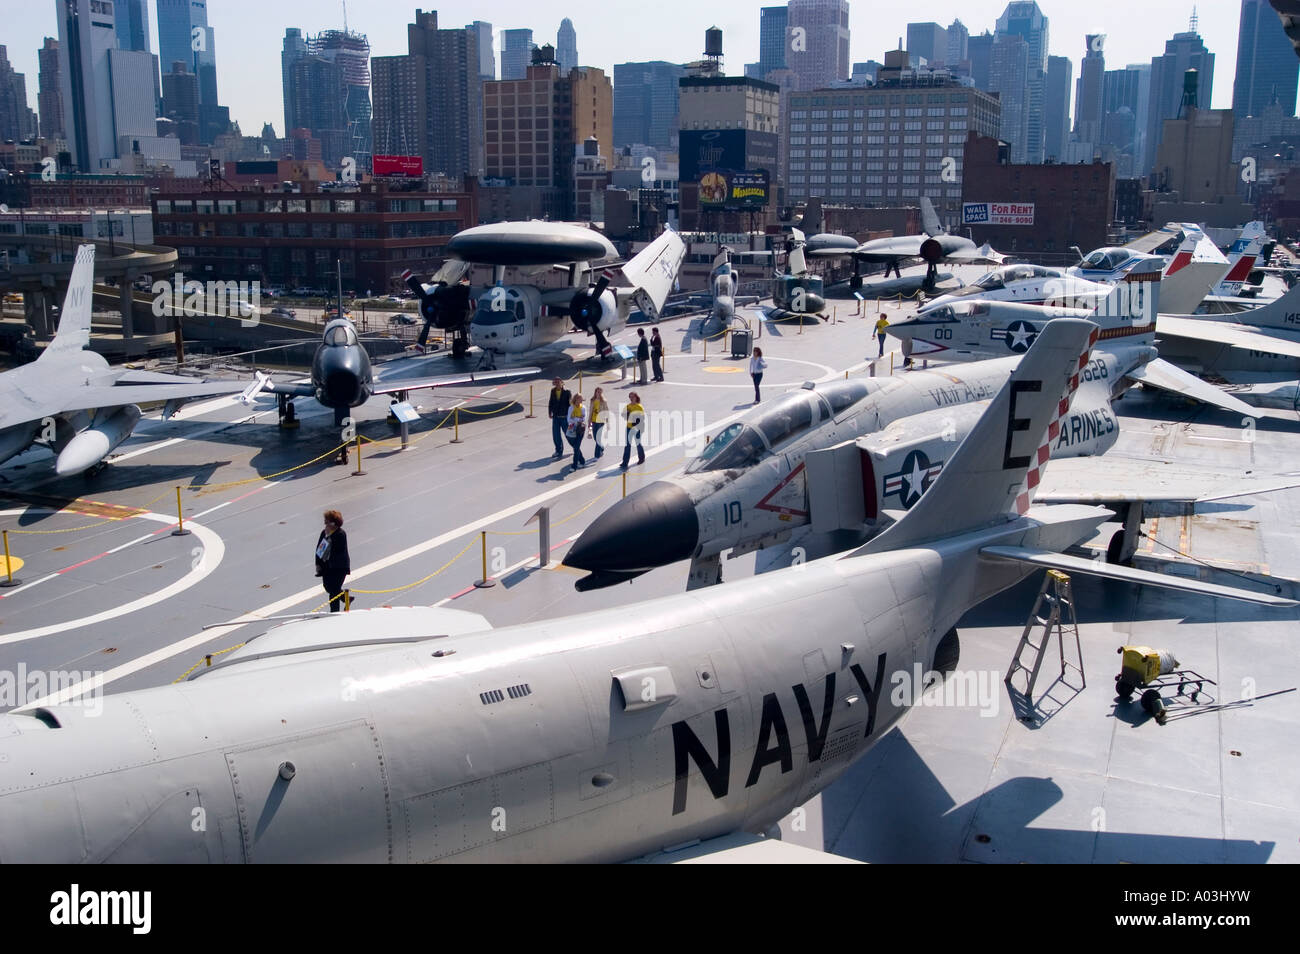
(571, 417)
(649, 349)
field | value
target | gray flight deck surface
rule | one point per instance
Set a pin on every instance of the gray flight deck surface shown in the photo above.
(107, 588)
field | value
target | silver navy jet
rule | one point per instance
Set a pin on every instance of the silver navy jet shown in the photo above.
(72, 401)
(421, 734)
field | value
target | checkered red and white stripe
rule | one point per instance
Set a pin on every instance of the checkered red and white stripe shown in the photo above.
(1035, 473)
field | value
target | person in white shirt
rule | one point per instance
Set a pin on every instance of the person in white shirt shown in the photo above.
(756, 368)
(577, 421)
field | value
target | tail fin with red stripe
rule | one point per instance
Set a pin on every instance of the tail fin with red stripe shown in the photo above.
(992, 476)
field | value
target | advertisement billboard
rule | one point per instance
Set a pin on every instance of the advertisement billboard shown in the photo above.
(734, 191)
(710, 150)
(397, 166)
(997, 213)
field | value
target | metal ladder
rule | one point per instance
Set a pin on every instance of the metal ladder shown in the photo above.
(1059, 599)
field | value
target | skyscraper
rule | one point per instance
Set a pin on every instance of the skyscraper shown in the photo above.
(1088, 113)
(1186, 51)
(645, 104)
(1025, 20)
(979, 50)
(516, 53)
(429, 103)
(1267, 67)
(958, 37)
(817, 42)
(1009, 77)
(487, 57)
(17, 121)
(50, 97)
(84, 42)
(566, 46)
(928, 41)
(294, 49)
(1056, 107)
(332, 85)
(184, 35)
(132, 20)
(772, 22)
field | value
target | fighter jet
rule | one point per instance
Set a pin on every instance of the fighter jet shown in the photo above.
(514, 319)
(780, 469)
(973, 330)
(421, 734)
(72, 401)
(933, 245)
(820, 244)
(796, 291)
(342, 376)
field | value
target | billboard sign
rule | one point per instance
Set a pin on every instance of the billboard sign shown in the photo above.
(997, 213)
(398, 166)
(710, 150)
(735, 191)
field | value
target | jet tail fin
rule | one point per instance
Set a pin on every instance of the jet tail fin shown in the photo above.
(653, 270)
(929, 218)
(811, 223)
(992, 476)
(73, 333)
(1133, 303)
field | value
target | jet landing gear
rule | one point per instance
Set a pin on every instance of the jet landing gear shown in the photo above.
(1123, 544)
(705, 571)
(460, 343)
(288, 417)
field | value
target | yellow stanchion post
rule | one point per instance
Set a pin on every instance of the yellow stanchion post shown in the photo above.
(486, 581)
(358, 472)
(530, 400)
(801, 324)
(579, 382)
(347, 601)
(180, 530)
(891, 364)
(9, 566)
(455, 414)
(706, 349)
(207, 660)
(624, 494)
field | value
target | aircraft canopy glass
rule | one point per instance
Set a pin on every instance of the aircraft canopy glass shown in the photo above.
(1107, 259)
(487, 315)
(788, 417)
(738, 446)
(339, 334)
(844, 394)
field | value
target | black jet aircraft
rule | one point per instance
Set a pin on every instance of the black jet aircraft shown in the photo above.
(342, 376)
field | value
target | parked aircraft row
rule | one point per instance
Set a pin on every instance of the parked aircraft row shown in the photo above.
(599, 737)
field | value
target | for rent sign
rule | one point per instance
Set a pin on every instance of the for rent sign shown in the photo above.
(997, 213)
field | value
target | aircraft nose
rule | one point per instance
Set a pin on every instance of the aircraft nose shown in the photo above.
(341, 388)
(653, 527)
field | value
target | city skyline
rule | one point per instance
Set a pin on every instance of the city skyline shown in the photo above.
(675, 33)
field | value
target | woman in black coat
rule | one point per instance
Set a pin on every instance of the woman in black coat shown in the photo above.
(332, 561)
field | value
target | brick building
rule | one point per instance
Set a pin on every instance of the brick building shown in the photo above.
(1067, 204)
(292, 239)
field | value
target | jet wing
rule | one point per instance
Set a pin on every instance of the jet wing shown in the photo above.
(982, 255)
(1229, 333)
(300, 388)
(448, 380)
(900, 246)
(96, 396)
(1159, 373)
(1118, 479)
(1147, 244)
(1059, 561)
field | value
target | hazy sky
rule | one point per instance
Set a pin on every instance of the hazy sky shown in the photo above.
(249, 33)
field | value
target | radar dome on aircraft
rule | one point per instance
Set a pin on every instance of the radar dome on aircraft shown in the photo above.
(530, 243)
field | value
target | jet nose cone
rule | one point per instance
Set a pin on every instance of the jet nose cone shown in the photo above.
(653, 527)
(341, 388)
